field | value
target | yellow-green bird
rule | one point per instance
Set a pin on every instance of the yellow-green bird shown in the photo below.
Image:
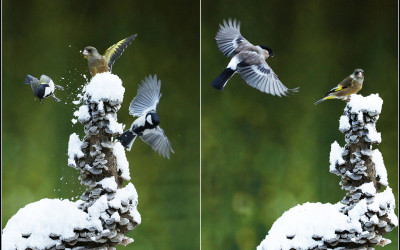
(103, 63)
(350, 85)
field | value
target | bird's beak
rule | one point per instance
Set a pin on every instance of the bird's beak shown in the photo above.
(360, 74)
(85, 54)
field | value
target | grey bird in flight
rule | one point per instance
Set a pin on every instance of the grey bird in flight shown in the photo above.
(144, 106)
(248, 60)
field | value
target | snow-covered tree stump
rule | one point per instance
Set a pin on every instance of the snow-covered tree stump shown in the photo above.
(106, 211)
(366, 213)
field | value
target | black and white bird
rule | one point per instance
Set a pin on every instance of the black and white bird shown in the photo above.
(144, 105)
(248, 60)
(42, 88)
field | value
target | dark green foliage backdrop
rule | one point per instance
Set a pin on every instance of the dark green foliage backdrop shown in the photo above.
(262, 155)
(44, 37)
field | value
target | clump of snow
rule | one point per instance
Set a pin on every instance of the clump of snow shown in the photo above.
(74, 149)
(116, 217)
(380, 169)
(98, 207)
(109, 183)
(372, 134)
(113, 125)
(74, 121)
(54, 216)
(79, 100)
(344, 124)
(82, 113)
(302, 222)
(385, 198)
(369, 103)
(100, 106)
(135, 215)
(357, 211)
(367, 188)
(335, 156)
(105, 86)
(124, 194)
(122, 162)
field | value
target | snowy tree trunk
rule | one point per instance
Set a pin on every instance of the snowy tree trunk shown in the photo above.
(366, 213)
(98, 165)
(363, 174)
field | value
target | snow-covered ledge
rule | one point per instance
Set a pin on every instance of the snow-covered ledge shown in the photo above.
(366, 212)
(107, 210)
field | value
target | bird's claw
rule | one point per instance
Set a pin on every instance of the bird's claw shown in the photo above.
(59, 87)
(55, 98)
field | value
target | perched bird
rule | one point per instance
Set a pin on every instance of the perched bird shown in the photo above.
(144, 106)
(103, 63)
(350, 85)
(42, 88)
(248, 60)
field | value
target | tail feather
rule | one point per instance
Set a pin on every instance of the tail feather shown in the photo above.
(127, 139)
(319, 101)
(325, 98)
(294, 90)
(29, 79)
(222, 79)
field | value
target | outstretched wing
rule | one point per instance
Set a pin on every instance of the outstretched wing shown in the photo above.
(261, 77)
(34, 82)
(157, 139)
(147, 98)
(116, 50)
(342, 85)
(229, 37)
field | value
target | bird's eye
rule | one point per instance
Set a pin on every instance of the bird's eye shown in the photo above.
(89, 50)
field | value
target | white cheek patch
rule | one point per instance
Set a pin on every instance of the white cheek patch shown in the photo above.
(51, 84)
(149, 120)
(47, 91)
(139, 122)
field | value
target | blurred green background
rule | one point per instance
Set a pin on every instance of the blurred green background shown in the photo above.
(262, 154)
(45, 37)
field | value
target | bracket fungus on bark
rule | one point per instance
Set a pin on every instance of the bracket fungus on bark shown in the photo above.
(107, 210)
(366, 213)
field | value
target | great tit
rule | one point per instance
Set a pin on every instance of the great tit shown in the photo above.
(144, 106)
(248, 60)
(42, 88)
(103, 63)
(350, 85)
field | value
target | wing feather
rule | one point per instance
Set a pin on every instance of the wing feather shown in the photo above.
(229, 37)
(157, 139)
(262, 77)
(115, 51)
(147, 98)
